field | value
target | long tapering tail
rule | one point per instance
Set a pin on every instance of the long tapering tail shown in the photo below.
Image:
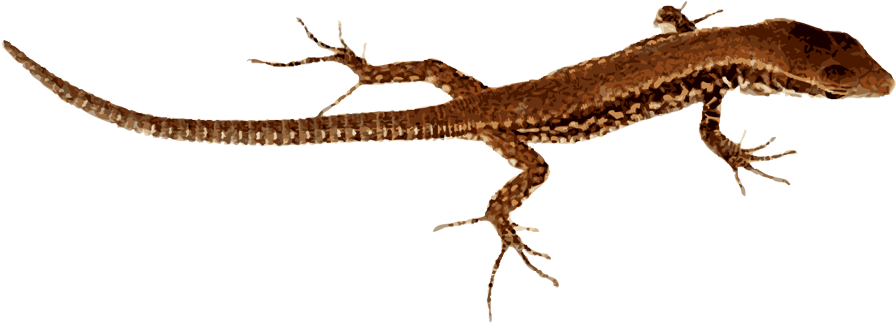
(423, 123)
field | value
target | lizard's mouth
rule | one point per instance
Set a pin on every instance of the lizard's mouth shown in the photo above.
(796, 84)
(839, 82)
(836, 93)
(868, 86)
(858, 91)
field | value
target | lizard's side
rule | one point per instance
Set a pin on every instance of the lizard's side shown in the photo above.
(657, 76)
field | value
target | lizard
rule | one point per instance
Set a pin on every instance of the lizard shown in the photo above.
(715, 77)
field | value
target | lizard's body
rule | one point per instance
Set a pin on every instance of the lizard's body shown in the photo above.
(575, 103)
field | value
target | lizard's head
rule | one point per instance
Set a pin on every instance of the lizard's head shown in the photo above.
(832, 64)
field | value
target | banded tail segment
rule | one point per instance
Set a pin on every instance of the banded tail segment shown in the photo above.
(418, 124)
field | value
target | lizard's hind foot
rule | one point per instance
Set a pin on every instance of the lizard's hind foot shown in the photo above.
(513, 240)
(343, 55)
(509, 239)
(516, 227)
(520, 247)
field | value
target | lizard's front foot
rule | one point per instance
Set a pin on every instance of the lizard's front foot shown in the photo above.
(743, 158)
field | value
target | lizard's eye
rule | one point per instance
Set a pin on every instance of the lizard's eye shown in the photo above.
(837, 76)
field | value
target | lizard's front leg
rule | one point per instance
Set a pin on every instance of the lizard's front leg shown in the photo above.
(672, 21)
(731, 152)
(534, 173)
(441, 75)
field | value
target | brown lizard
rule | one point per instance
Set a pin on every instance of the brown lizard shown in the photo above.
(527, 100)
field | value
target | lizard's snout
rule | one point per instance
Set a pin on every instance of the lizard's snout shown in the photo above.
(874, 84)
(886, 87)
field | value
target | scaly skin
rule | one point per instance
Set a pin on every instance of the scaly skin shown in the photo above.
(656, 76)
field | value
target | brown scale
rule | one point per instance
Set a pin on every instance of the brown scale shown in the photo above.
(668, 97)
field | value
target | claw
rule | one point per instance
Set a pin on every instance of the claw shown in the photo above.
(743, 191)
(491, 281)
(748, 158)
(760, 173)
(357, 85)
(522, 228)
(536, 270)
(519, 249)
(318, 42)
(772, 157)
(341, 55)
(340, 36)
(752, 158)
(760, 146)
(535, 253)
(454, 224)
(752, 149)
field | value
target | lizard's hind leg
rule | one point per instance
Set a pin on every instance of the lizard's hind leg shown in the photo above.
(444, 77)
(534, 173)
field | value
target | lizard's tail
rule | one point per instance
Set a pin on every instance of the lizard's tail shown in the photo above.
(424, 123)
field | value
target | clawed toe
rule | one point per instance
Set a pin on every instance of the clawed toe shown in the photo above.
(509, 239)
(757, 147)
(454, 224)
(343, 55)
(766, 158)
(745, 157)
(536, 253)
(747, 154)
(518, 227)
(536, 270)
(760, 173)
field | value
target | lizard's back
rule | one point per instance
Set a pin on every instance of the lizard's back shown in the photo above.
(665, 73)
(656, 76)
